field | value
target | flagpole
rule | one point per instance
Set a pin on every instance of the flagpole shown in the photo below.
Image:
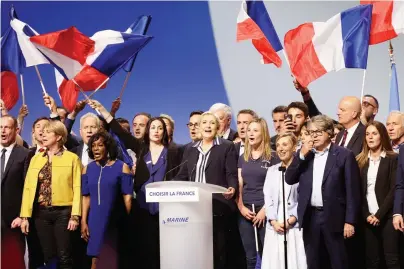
(363, 84)
(85, 95)
(22, 89)
(99, 87)
(42, 85)
(391, 53)
(125, 83)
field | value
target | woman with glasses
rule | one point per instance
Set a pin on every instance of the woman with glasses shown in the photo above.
(253, 165)
(378, 165)
(273, 254)
(52, 195)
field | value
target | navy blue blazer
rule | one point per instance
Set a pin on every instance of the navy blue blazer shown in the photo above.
(340, 188)
(399, 190)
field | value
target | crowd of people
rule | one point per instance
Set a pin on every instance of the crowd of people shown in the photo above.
(334, 187)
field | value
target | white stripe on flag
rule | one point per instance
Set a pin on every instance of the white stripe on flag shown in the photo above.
(397, 19)
(328, 43)
(103, 39)
(31, 54)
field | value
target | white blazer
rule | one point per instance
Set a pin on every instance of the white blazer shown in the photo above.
(272, 189)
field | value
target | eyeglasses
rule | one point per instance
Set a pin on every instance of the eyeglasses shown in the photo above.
(317, 133)
(367, 104)
(190, 125)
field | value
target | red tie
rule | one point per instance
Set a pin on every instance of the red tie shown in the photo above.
(344, 138)
(41, 150)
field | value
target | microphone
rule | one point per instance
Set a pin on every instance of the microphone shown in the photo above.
(282, 168)
(181, 164)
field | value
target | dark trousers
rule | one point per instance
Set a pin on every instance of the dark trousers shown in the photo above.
(248, 238)
(129, 245)
(12, 248)
(148, 240)
(35, 255)
(220, 239)
(355, 248)
(382, 246)
(236, 258)
(320, 242)
(51, 224)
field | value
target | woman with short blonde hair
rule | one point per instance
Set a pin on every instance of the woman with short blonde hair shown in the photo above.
(52, 195)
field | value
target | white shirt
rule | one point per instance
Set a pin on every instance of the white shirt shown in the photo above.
(371, 183)
(200, 175)
(7, 154)
(320, 159)
(241, 148)
(350, 131)
(226, 134)
(84, 156)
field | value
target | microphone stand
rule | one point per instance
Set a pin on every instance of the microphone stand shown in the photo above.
(285, 241)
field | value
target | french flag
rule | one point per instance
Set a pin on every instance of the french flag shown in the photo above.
(253, 22)
(314, 49)
(387, 20)
(87, 62)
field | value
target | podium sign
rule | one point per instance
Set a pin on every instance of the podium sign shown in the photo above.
(186, 230)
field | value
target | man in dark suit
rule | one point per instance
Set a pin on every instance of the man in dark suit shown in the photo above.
(14, 164)
(223, 113)
(398, 210)
(244, 117)
(349, 112)
(278, 117)
(329, 195)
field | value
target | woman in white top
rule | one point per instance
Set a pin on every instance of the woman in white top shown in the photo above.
(378, 164)
(273, 254)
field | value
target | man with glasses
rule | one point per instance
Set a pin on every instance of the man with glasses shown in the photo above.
(193, 125)
(329, 195)
(370, 107)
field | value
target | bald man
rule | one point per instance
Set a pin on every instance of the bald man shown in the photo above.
(349, 113)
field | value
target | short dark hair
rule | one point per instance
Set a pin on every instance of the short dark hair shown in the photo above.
(15, 122)
(196, 112)
(165, 138)
(109, 142)
(38, 120)
(280, 109)
(62, 107)
(248, 111)
(299, 105)
(148, 115)
(123, 120)
(374, 98)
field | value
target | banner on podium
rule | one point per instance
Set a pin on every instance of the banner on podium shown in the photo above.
(180, 194)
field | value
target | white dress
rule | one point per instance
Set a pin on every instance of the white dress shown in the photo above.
(273, 253)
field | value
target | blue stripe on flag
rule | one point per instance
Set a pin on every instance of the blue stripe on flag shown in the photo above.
(355, 23)
(12, 58)
(114, 56)
(394, 103)
(257, 11)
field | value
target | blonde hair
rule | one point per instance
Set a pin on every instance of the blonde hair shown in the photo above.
(265, 143)
(58, 128)
(291, 137)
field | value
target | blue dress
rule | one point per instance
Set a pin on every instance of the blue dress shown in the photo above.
(103, 184)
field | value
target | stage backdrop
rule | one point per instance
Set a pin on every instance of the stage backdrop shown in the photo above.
(194, 60)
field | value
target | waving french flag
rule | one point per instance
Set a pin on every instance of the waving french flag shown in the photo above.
(253, 22)
(314, 49)
(387, 20)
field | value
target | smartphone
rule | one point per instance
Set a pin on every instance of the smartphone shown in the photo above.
(288, 117)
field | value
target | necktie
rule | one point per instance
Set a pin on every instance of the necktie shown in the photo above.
(344, 138)
(3, 160)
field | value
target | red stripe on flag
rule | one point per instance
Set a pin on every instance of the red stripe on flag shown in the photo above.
(90, 78)
(70, 43)
(69, 94)
(248, 29)
(303, 59)
(9, 89)
(381, 29)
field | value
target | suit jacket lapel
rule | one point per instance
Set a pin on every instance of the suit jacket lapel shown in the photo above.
(160, 162)
(213, 152)
(339, 137)
(331, 159)
(10, 161)
(382, 173)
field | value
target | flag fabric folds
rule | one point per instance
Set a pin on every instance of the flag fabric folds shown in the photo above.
(67, 90)
(9, 89)
(139, 27)
(314, 49)
(394, 103)
(387, 20)
(253, 22)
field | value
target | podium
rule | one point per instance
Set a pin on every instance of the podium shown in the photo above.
(186, 229)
